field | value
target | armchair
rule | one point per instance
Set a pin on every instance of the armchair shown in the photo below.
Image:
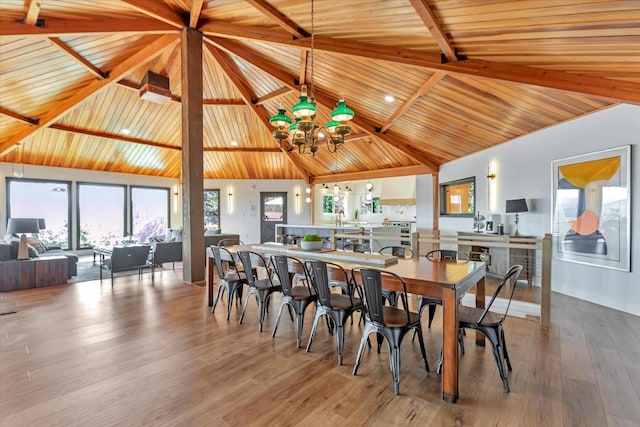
(127, 258)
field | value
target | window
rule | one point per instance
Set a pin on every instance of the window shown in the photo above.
(50, 200)
(370, 206)
(458, 198)
(149, 212)
(101, 214)
(212, 209)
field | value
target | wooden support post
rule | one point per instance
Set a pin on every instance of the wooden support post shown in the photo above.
(192, 157)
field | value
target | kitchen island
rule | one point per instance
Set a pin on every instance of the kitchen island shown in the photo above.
(336, 236)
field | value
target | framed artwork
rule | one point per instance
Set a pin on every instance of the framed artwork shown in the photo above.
(591, 208)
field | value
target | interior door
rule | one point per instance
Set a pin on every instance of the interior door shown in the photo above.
(273, 210)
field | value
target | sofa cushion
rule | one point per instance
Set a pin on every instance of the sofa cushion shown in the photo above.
(5, 250)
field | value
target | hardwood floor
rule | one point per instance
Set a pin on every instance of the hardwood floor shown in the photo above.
(151, 353)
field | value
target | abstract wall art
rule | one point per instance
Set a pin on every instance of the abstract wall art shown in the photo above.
(591, 200)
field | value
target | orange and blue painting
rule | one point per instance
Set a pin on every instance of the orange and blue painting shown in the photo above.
(591, 208)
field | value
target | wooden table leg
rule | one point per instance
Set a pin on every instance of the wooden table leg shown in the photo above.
(480, 298)
(450, 345)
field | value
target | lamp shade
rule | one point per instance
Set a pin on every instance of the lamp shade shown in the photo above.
(516, 205)
(41, 224)
(22, 225)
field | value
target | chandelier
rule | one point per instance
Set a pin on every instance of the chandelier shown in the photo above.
(304, 132)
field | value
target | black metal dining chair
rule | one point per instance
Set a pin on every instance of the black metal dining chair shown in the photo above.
(296, 296)
(491, 324)
(400, 252)
(337, 307)
(261, 288)
(390, 323)
(229, 278)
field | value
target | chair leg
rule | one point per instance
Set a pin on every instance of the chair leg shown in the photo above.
(432, 313)
(422, 349)
(314, 327)
(275, 327)
(229, 302)
(299, 325)
(215, 301)
(496, 346)
(394, 359)
(363, 343)
(339, 322)
(244, 307)
(504, 349)
(261, 311)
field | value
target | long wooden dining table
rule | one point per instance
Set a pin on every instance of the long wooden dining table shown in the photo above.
(445, 280)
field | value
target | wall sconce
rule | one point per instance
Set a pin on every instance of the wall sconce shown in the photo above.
(491, 186)
(297, 205)
(175, 198)
(230, 200)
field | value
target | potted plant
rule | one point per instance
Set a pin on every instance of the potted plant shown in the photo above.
(311, 242)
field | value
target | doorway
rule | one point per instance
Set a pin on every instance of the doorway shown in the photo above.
(273, 210)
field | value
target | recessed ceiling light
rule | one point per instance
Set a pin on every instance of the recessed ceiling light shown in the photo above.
(389, 98)
(126, 131)
(234, 143)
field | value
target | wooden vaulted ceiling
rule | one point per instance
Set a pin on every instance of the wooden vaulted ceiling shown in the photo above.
(466, 75)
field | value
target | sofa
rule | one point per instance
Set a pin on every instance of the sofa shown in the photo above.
(9, 250)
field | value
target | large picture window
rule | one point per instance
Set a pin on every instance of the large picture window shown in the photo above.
(50, 200)
(101, 214)
(212, 209)
(149, 212)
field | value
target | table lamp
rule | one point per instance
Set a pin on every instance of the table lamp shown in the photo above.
(22, 226)
(515, 206)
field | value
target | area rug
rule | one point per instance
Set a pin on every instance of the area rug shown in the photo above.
(87, 272)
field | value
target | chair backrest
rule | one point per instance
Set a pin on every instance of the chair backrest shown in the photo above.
(371, 279)
(127, 257)
(357, 247)
(397, 251)
(222, 265)
(250, 260)
(510, 276)
(230, 242)
(287, 275)
(167, 252)
(448, 254)
(319, 274)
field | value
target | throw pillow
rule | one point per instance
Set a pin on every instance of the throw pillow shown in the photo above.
(33, 253)
(35, 244)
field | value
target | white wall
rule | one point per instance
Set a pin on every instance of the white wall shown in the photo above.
(523, 169)
(244, 216)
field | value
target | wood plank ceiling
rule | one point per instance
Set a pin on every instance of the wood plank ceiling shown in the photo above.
(465, 76)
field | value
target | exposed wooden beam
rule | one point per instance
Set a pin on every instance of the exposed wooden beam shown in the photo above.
(119, 137)
(322, 97)
(380, 173)
(274, 14)
(157, 10)
(223, 102)
(66, 49)
(55, 27)
(147, 53)
(194, 13)
(114, 136)
(430, 20)
(24, 119)
(355, 137)
(426, 86)
(233, 73)
(609, 89)
(32, 12)
(273, 95)
(241, 150)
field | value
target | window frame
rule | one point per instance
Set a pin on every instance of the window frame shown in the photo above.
(443, 201)
(68, 184)
(219, 216)
(129, 231)
(101, 184)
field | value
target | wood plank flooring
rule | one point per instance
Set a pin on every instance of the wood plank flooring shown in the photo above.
(149, 352)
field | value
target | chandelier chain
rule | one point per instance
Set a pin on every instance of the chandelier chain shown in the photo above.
(313, 40)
